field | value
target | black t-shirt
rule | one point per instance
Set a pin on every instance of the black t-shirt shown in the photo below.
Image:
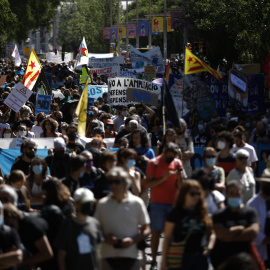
(121, 134)
(187, 223)
(21, 165)
(80, 243)
(245, 217)
(75, 147)
(71, 184)
(101, 187)
(88, 180)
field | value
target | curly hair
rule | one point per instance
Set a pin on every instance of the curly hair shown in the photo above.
(52, 122)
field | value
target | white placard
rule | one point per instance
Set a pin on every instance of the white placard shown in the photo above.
(109, 71)
(100, 55)
(18, 96)
(13, 143)
(238, 82)
(106, 62)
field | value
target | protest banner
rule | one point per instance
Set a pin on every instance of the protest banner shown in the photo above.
(57, 58)
(122, 32)
(118, 88)
(150, 72)
(3, 79)
(131, 30)
(143, 28)
(131, 73)
(137, 96)
(90, 103)
(18, 96)
(106, 62)
(13, 143)
(153, 57)
(100, 55)
(106, 34)
(43, 104)
(96, 91)
(110, 72)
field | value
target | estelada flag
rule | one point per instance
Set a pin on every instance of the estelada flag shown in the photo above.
(195, 65)
(82, 57)
(32, 71)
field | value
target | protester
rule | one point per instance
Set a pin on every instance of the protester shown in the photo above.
(49, 127)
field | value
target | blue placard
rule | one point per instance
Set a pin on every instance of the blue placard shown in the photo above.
(90, 103)
(43, 104)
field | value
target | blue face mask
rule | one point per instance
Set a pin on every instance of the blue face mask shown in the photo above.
(37, 169)
(210, 162)
(234, 202)
(131, 163)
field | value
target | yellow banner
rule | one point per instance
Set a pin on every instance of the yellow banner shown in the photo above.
(122, 32)
(169, 26)
(157, 24)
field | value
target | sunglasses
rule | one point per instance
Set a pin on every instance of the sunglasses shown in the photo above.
(116, 182)
(195, 193)
(91, 113)
(242, 158)
(32, 148)
(210, 156)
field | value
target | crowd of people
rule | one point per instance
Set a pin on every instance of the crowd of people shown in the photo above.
(90, 206)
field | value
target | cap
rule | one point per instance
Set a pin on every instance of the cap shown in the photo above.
(83, 195)
(242, 153)
(59, 143)
(265, 176)
(132, 110)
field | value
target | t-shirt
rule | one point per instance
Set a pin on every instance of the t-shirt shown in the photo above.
(228, 163)
(245, 217)
(71, 184)
(188, 227)
(37, 131)
(166, 191)
(213, 199)
(21, 165)
(252, 153)
(117, 123)
(80, 242)
(75, 147)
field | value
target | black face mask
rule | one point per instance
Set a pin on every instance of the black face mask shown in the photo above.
(87, 209)
(266, 190)
(169, 159)
(72, 136)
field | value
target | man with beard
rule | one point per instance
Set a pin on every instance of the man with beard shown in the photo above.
(164, 176)
(28, 150)
(59, 161)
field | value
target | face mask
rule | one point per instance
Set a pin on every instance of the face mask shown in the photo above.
(87, 209)
(72, 136)
(138, 146)
(266, 190)
(234, 202)
(1, 220)
(30, 155)
(200, 127)
(7, 135)
(221, 145)
(89, 164)
(131, 163)
(48, 126)
(82, 174)
(124, 113)
(37, 169)
(169, 159)
(210, 162)
(22, 132)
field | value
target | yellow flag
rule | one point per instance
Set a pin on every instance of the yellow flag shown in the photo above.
(81, 110)
(195, 65)
(122, 32)
(157, 24)
(32, 71)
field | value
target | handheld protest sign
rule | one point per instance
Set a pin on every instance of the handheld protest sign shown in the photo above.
(43, 104)
(137, 96)
(150, 72)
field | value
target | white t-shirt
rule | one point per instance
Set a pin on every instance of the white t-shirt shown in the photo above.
(122, 220)
(2, 126)
(252, 153)
(213, 199)
(37, 130)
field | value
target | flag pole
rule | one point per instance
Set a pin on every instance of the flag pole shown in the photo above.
(163, 106)
(184, 77)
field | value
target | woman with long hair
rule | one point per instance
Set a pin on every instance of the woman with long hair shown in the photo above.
(188, 224)
(49, 127)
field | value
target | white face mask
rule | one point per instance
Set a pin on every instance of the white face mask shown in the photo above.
(221, 145)
(22, 132)
(7, 135)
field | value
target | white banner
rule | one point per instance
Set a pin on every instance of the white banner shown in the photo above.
(100, 55)
(18, 96)
(57, 58)
(110, 72)
(15, 143)
(106, 62)
(117, 88)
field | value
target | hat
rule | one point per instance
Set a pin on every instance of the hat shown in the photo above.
(242, 153)
(132, 110)
(59, 143)
(265, 176)
(83, 195)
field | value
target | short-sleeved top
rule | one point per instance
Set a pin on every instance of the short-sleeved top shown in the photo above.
(252, 153)
(228, 163)
(188, 227)
(122, 220)
(118, 121)
(245, 217)
(165, 192)
(80, 242)
(22, 165)
(213, 199)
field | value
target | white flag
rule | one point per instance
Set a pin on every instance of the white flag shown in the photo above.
(82, 57)
(17, 57)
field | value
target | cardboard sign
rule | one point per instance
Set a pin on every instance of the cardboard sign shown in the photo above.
(43, 104)
(106, 62)
(136, 95)
(3, 79)
(150, 72)
(18, 96)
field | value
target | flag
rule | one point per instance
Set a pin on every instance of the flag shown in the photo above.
(168, 71)
(17, 57)
(81, 110)
(82, 57)
(32, 71)
(266, 69)
(42, 84)
(195, 65)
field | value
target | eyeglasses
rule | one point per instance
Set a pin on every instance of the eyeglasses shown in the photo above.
(242, 158)
(116, 182)
(195, 193)
(210, 156)
(91, 113)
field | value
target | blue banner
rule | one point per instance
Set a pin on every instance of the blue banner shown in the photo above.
(96, 91)
(43, 104)
(143, 28)
(113, 33)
